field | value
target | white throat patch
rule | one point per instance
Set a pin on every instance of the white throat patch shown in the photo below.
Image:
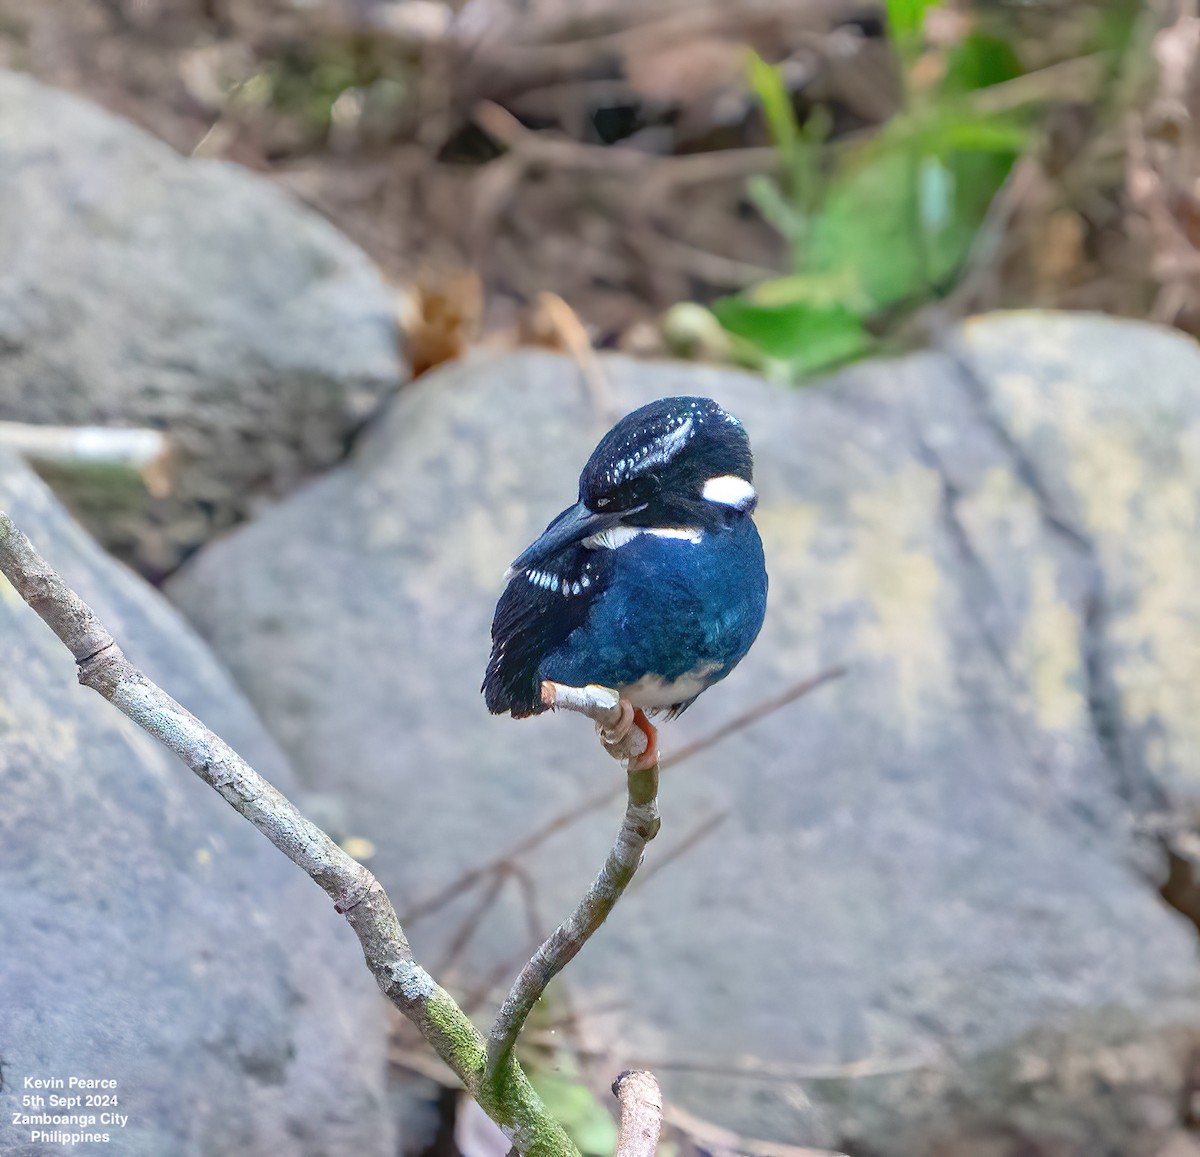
(730, 490)
(618, 536)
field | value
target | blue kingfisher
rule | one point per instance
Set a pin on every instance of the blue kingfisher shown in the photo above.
(653, 583)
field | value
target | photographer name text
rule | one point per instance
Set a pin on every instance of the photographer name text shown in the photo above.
(69, 1111)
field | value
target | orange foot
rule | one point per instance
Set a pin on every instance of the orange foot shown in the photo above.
(649, 757)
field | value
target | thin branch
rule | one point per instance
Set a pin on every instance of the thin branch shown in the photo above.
(144, 452)
(469, 925)
(641, 1114)
(685, 844)
(638, 828)
(707, 1136)
(527, 843)
(511, 1100)
(539, 836)
(573, 335)
(755, 714)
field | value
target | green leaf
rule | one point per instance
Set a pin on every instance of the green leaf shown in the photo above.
(977, 61)
(776, 101)
(978, 134)
(840, 287)
(778, 210)
(587, 1122)
(906, 18)
(806, 337)
(976, 177)
(869, 226)
(903, 210)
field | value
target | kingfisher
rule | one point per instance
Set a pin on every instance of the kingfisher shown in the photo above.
(653, 583)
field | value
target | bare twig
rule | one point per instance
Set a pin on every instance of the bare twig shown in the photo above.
(725, 1143)
(697, 835)
(750, 1068)
(641, 1114)
(755, 714)
(558, 823)
(473, 876)
(145, 452)
(469, 925)
(638, 828)
(759, 1070)
(506, 1095)
(572, 334)
(557, 150)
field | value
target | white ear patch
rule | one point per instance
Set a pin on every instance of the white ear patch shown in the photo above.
(730, 490)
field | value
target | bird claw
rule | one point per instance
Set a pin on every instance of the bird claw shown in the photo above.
(649, 757)
(632, 738)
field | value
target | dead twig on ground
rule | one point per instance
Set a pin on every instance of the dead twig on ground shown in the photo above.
(143, 452)
(641, 1114)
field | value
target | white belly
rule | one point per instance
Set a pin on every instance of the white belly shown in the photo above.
(651, 692)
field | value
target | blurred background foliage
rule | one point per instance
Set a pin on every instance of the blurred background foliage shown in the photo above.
(880, 226)
(784, 185)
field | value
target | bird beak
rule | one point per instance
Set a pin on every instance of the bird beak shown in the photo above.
(575, 523)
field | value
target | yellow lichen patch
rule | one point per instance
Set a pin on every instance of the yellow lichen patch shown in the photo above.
(787, 533)
(901, 586)
(1157, 636)
(359, 847)
(1023, 400)
(1050, 653)
(800, 594)
(1105, 473)
(476, 554)
(1000, 513)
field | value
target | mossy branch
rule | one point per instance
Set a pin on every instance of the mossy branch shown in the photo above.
(505, 1094)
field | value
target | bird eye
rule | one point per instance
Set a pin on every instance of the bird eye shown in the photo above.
(603, 501)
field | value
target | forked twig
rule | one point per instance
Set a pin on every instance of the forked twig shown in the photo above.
(639, 827)
(506, 1096)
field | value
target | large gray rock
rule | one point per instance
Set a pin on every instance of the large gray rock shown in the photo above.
(936, 889)
(150, 935)
(141, 288)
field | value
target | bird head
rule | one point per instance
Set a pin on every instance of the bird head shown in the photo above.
(677, 462)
